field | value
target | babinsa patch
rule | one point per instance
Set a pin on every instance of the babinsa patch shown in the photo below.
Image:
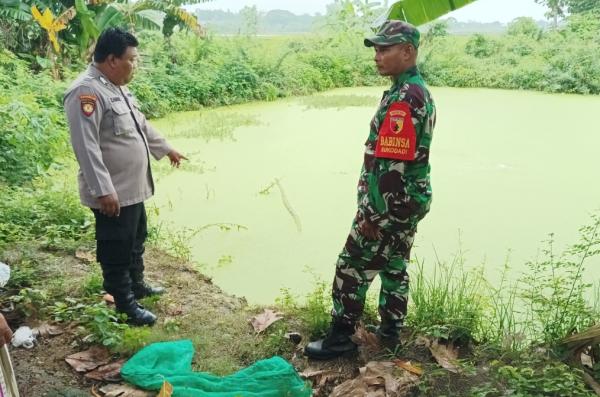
(88, 104)
(397, 137)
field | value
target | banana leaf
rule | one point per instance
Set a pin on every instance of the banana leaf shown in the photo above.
(419, 12)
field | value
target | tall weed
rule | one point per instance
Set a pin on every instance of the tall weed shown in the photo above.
(448, 304)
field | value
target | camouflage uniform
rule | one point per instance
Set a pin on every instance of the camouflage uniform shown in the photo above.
(393, 194)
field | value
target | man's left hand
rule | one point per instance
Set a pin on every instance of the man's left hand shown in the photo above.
(175, 158)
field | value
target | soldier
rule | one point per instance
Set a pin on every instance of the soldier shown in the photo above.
(112, 142)
(394, 194)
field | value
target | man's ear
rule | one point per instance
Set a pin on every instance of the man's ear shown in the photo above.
(110, 59)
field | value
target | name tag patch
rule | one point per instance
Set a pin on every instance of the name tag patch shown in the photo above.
(397, 137)
(88, 104)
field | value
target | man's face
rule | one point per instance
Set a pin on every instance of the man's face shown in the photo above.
(393, 60)
(125, 65)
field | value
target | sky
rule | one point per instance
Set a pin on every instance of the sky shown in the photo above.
(481, 10)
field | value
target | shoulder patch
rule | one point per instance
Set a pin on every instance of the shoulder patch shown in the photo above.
(397, 138)
(88, 104)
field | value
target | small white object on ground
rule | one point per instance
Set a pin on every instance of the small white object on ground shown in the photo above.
(23, 337)
(4, 274)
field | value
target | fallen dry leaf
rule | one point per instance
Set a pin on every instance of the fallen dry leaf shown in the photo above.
(122, 390)
(94, 392)
(368, 343)
(378, 393)
(445, 355)
(378, 379)
(166, 390)
(88, 360)
(350, 388)
(44, 330)
(264, 320)
(107, 373)
(174, 310)
(320, 377)
(409, 367)
(362, 337)
(85, 256)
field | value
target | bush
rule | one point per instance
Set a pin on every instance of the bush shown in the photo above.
(33, 125)
(525, 58)
(42, 212)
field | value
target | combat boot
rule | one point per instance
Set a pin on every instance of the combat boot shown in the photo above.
(140, 288)
(388, 334)
(136, 314)
(338, 342)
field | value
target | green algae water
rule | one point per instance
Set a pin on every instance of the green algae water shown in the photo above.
(508, 168)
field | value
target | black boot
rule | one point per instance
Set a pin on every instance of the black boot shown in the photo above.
(137, 315)
(136, 271)
(337, 343)
(117, 282)
(388, 333)
(142, 290)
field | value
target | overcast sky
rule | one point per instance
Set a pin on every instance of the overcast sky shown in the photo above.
(482, 10)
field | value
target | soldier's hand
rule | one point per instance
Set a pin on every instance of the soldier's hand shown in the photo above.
(5, 332)
(370, 230)
(175, 157)
(109, 205)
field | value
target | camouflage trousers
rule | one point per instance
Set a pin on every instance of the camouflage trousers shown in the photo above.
(358, 264)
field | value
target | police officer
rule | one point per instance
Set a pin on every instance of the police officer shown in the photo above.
(394, 194)
(113, 141)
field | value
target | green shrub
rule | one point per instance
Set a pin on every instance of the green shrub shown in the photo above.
(535, 376)
(43, 212)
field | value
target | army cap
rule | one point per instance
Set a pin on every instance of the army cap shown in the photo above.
(395, 32)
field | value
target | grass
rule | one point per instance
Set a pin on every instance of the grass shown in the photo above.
(217, 324)
(449, 304)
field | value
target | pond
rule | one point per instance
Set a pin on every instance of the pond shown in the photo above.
(508, 168)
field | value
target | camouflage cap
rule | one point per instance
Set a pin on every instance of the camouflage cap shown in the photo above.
(395, 32)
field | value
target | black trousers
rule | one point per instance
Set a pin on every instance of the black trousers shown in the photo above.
(120, 248)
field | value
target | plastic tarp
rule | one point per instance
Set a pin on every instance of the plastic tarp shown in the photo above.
(172, 361)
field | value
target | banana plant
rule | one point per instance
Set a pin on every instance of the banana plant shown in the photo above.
(15, 9)
(146, 14)
(419, 12)
(51, 24)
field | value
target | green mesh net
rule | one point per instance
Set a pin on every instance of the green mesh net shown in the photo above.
(172, 361)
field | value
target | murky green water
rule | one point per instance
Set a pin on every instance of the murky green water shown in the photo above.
(508, 168)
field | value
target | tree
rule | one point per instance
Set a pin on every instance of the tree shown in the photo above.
(556, 9)
(582, 6)
(524, 26)
(91, 17)
(437, 29)
(147, 14)
(480, 47)
(350, 18)
(250, 17)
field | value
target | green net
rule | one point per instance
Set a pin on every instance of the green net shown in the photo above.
(172, 361)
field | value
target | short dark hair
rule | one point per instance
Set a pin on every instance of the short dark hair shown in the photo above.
(113, 41)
